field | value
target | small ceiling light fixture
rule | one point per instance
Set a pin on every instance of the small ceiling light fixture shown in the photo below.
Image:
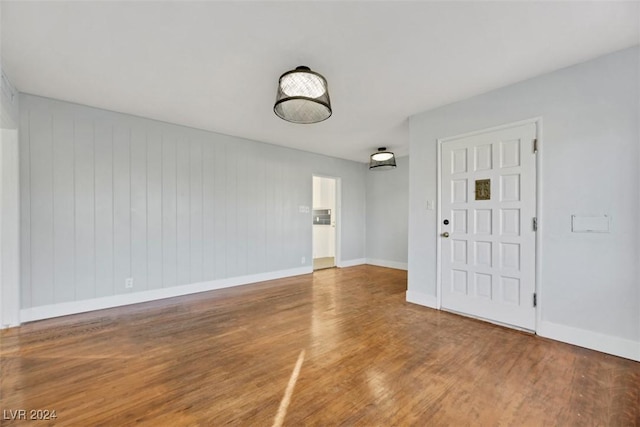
(303, 97)
(382, 160)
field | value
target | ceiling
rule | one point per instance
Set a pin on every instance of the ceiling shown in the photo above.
(215, 65)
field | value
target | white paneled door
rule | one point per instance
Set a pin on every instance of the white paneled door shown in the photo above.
(488, 198)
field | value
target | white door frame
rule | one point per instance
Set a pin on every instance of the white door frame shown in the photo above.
(538, 250)
(337, 214)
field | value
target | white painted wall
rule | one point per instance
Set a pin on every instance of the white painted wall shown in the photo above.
(324, 236)
(9, 226)
(9, 205)
(388, 215)
(107, 196)
(590, 282)
(9, 103)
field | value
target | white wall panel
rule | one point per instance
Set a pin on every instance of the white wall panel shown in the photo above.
(24, 135)
(169, 212)
(219, 204)
(106, 196)
(195, 208)
(139, 213)
(242, 214)
(84, 179)
(121, 207)
(41, 254)
(273, 192)
(183, 208)
(154, 209)
(256, 225)
(10, 196)
(208, 212)
(231, 212)
(300, 224)
(9, 227)
(104, 255)
(260, 230)
(64, 214)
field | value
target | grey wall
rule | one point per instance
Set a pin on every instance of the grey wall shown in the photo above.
(9, 101)
(106, 196)
(9, 205)
(388, 215)
(590, 162)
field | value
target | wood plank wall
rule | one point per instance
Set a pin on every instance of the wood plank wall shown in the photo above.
(107, 196)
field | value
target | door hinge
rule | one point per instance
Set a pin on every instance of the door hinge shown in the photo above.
(535, 299)
(535, 224)
(535, 145)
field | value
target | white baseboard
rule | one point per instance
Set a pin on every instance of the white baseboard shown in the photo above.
(389, 264)
(14, 324)
(422, 299)
(352, 262)
(596, 341)
(74, 307)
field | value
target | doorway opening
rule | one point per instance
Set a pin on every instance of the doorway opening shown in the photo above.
(325, 220)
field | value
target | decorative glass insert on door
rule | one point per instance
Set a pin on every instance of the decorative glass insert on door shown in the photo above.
(322, 216)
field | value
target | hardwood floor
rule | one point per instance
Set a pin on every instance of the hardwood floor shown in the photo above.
(365, 357)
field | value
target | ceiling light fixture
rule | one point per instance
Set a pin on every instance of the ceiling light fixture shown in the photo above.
(303, 97)
(382, 160)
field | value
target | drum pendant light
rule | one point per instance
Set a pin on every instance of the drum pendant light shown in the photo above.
(382, 160)
(303, 97)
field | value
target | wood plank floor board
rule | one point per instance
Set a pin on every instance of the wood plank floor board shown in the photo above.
(370, 359)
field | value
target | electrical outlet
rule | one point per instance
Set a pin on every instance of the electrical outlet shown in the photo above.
(303, 260)
(128, 282)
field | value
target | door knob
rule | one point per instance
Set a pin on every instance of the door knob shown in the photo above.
(445, 234)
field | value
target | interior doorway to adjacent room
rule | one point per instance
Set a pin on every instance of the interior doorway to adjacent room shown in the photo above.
(324, 222)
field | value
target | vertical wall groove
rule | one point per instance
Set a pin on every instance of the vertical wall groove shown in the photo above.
(75, 253)
(146, 204)
(95, 216)
(162, 248)
(130, 191)
(113, 215)
(175, 160)
(53, 204)
(202, 237)
(190, 210)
